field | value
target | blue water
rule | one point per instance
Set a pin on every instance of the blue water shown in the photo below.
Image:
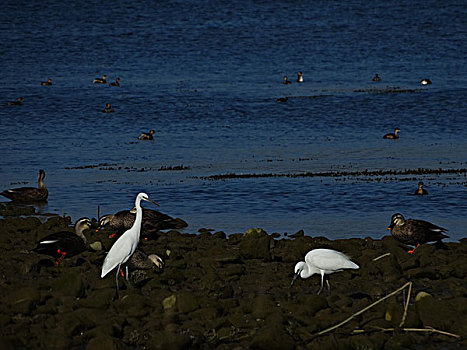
(205, 76)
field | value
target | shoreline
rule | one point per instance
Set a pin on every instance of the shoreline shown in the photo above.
(219, 292)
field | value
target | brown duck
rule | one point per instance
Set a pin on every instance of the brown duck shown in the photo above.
(391, 135)
(415, 232)
(420, 191)
(153, 221)
(29, 194)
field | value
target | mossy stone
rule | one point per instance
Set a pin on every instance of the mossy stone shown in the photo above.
(69, 283)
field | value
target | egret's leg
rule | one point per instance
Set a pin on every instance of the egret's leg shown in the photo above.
(126, 273)
(322, 283)
(116, 277)
(329, 287)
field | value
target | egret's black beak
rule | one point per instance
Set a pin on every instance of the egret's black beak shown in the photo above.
(294, 278)
(150, 200)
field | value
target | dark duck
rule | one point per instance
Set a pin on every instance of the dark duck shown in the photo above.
(65, 243)
(102, 80)
(392, 136)
(116, 82)
(18, 102)
(108, 108)
(376, 78)
(29, 194)
(153, 221)
(415, 232)
(420, 191)
(147, 135)
(286, 80)
(47, 83)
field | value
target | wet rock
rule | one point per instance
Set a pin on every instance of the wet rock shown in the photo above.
(169, 341)
(23, 300)
(187, 302)
(103, 342)
(273, 335)
(311, 304)
(70, 283)
(436, 313)
(255, 245)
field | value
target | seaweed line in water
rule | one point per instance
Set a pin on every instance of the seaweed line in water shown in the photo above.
(366, 172)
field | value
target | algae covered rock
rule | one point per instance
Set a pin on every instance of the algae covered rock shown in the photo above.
(255, 244)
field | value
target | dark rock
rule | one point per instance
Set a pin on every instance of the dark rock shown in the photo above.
(103, 342)
(70, 283)
(187, 302)
(255, 245)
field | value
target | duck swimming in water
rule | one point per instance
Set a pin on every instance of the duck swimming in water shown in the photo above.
(65, 243)
(392, 136)
(415, 232)
(153, 221)
(108, 109)
(420, 191)
(116, 82)
(425, 82)
(102, 80)
(47, 83)
(299, 77)
(376, 78)
(286, 80)
(17, 102)
(147, 135)
(29, 194)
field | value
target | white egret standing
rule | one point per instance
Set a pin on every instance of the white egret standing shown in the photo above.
(126, 245)
(322, 261)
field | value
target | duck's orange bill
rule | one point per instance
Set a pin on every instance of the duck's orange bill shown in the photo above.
(389, 228)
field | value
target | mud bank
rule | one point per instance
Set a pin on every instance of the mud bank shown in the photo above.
(219, 292)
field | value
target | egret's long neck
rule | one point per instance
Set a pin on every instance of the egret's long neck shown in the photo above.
(139, 216)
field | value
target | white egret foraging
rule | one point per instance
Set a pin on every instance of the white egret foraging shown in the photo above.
(324, 262)
(126, 245)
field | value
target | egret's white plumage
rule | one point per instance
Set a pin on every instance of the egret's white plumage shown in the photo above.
(324, 262)
(126, 245)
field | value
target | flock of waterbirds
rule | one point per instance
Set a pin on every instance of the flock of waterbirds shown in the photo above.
(108, 107)
(131, 223)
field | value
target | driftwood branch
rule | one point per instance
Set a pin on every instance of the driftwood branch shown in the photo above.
(408, 284)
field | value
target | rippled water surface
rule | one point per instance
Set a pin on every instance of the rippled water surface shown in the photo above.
(206, 76)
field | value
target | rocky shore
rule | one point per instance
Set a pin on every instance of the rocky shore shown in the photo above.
(219, 292)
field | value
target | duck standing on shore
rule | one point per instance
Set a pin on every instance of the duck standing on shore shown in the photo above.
(153, 221)
(29, 194)
(65, 243)
(324, 262)
(415, 232)
(392, 136)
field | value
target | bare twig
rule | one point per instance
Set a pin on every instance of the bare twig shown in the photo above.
(426, 329)
(381, 256)
(404, 316)
(365, 309)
